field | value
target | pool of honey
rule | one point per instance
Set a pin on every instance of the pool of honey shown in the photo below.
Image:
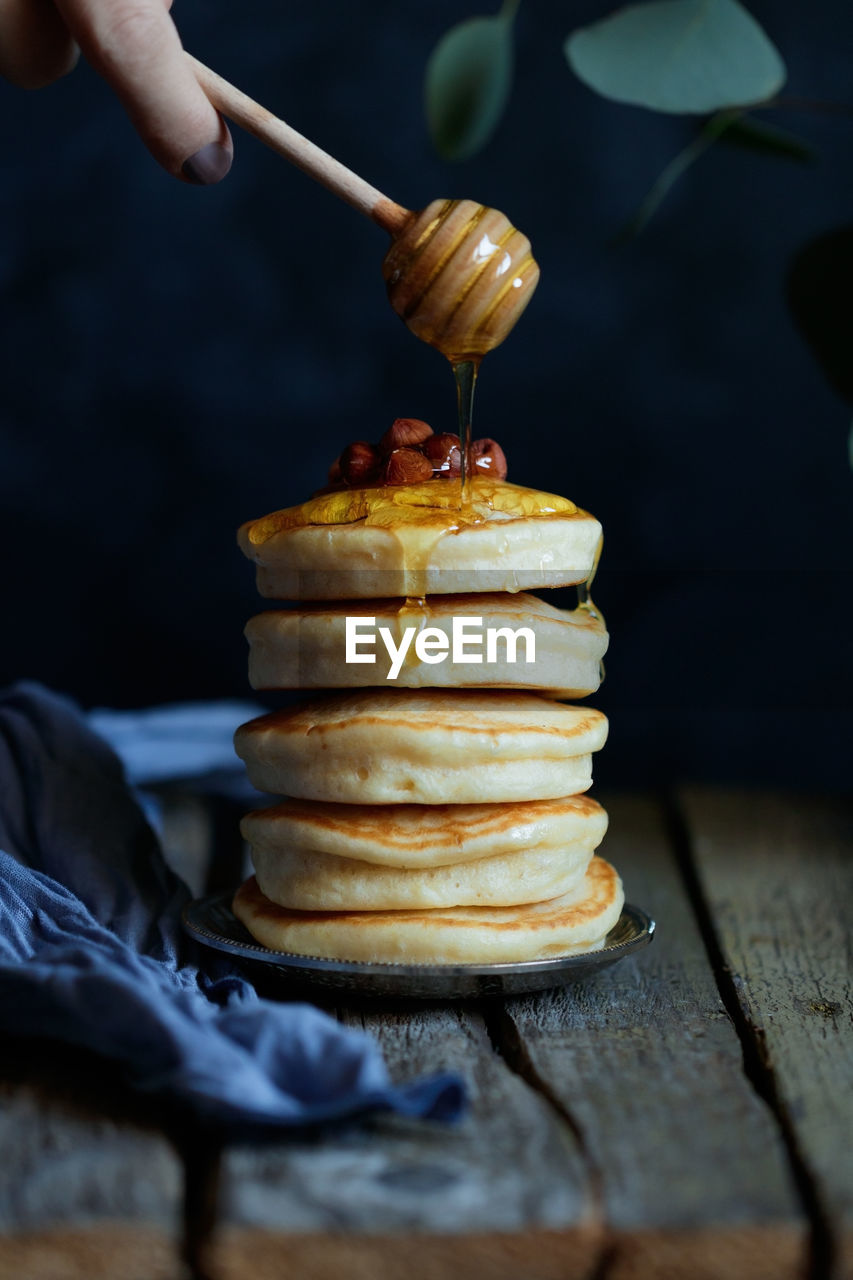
(434, 502)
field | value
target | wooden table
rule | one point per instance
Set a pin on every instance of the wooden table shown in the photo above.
(684, 1114)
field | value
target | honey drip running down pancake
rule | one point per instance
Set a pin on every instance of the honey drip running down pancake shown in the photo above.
(418, 540)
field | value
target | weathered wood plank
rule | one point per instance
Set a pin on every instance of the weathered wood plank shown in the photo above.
(83, 1194)
(644, 1059)
(506, 1183)
(539, 1255)
(777, 874)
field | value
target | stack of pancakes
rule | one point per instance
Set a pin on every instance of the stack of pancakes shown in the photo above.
(436, 817)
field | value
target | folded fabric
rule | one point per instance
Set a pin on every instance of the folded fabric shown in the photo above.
(186, 740)
(92, 951)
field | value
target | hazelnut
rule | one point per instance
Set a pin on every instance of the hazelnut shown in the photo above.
(407, 466)
(404, 433)
(444, 453)
(360, 463)
(486, 457)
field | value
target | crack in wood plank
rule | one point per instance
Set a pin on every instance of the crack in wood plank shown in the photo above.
(201, 1153)
(645, 1060)
(757, 1065)
(752, 865)
(506, 1041)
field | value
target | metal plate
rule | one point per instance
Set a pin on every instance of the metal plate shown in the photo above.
(212, 922)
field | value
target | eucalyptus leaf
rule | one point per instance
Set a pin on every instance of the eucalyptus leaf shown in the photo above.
(468, 82)
(680, 56)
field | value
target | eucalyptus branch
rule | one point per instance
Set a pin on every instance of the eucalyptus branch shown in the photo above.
(712, 131)
(792, 102)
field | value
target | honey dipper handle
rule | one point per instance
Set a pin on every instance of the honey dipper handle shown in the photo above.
(333, 175)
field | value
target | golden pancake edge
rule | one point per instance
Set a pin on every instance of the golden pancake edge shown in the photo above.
(415, 541)
(417, 835)
(576, 922)
(426, 746)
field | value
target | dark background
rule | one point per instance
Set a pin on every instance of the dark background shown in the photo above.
(176, 360)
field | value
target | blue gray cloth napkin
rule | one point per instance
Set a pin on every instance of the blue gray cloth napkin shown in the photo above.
(92, 951)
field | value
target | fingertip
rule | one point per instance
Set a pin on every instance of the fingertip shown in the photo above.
(209, 164)
(134, 45)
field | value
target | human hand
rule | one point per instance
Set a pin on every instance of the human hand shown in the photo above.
(134, 45)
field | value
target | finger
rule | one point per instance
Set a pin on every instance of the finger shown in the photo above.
(35, 45)
(135, 47)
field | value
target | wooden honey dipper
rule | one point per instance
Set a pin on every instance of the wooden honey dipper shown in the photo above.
(458, 273)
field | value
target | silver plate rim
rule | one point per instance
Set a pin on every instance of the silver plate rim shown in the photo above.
(197, 922)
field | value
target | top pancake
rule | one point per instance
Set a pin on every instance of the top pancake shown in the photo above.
(414, 540)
